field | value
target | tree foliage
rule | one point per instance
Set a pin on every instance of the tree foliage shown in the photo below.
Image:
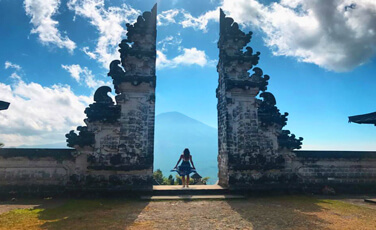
(170, 180)
(158, 176)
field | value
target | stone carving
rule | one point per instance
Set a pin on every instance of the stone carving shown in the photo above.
(85, 138)
(269, 115)
(137, 52)
(268, 112)
(103, 109)
(117, 73)
(289, 141)
(233, 60)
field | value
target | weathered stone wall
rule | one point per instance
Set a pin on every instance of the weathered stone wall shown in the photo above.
(342, 170)
(53, 171)
(33, 170)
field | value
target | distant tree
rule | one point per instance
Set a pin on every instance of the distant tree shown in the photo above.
(170, 180)
(1, 145)
(179, 180)
(158, 176)
(162, 180)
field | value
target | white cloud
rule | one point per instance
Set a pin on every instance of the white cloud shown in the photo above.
(41, 12)
(15, 76)
(89, 53)
(245, 12)
(167, 17)
(169, 41)
(330, 34)
(185, 19)
(74, 70)
(201, 22)
(110, 24)
(39, 115)
(8, 65)
(84, 75)
(188, 57)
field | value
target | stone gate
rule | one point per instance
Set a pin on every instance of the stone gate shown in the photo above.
(120, 151)
(114, 151)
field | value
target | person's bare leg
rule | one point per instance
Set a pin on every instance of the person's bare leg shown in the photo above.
(183, 179)
(187, 182)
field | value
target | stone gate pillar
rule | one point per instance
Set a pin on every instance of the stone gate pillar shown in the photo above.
(119, 138)
(249, 129)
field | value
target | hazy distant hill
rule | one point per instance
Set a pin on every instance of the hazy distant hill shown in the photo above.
(174, 132)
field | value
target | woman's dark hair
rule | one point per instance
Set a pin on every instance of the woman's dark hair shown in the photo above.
(186, 154)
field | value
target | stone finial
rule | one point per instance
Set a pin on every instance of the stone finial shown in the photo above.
(100, 95)
(236, 58)
(232, 41)
(103, 109)
(137, 52)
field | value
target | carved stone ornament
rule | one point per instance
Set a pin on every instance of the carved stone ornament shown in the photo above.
(268, 113)
(103, 109)
(137, 52)
(84, 138)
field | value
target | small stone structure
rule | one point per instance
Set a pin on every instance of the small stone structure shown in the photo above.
(114, 151)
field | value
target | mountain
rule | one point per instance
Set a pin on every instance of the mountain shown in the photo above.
(174, 132)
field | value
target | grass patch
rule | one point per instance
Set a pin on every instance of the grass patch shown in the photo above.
(75, 214)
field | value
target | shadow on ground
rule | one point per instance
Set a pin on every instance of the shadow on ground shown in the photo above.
(71, 214)
(92, 214)
(281, 212)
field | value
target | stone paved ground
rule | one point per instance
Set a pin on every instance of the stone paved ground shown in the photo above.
(277, 212)
(259, 213)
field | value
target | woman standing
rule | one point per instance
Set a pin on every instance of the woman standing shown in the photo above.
(185, 168)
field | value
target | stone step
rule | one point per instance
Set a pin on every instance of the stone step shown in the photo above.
(192, 197)
(176, 190)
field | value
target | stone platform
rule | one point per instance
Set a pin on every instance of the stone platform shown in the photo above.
(194, 192)
(195, 197)
(177, 190)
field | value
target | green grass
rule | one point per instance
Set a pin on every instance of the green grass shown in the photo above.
(74, 214)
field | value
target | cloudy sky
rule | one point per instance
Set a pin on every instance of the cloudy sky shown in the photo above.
(320, 55)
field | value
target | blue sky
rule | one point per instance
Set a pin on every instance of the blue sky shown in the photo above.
(320, 56)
